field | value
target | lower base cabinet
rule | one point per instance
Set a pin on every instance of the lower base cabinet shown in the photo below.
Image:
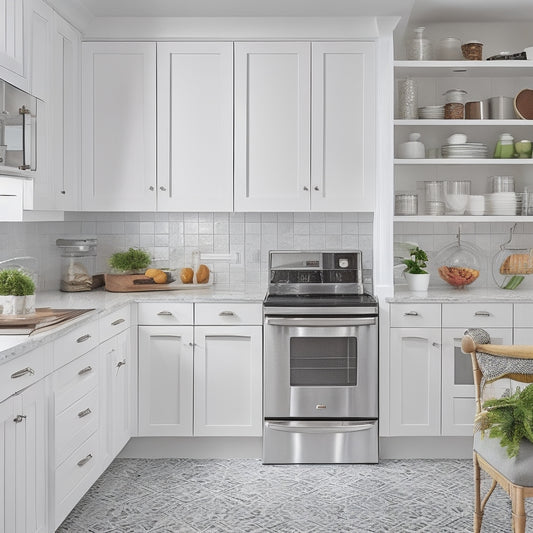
(211, 386)
(23, 460)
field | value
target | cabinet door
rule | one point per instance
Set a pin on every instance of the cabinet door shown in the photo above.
(228, 381)
(272, 126)
(458, 392)
(165, 380)
(415, 376)
(343, 127)
(13, 43)
(119, 126)
(195, 126)
(8, 465)
(66, 116)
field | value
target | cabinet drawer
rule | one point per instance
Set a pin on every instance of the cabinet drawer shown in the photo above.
(415, 315)
(114, 323)
(22, 371)
(75, 343)
(74, 380)
(165, 314)
(75, 475)
(463, 315)
(523, 316)
(75, 425)
(223, 314)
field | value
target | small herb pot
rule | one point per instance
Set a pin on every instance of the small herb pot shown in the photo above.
(417, 282)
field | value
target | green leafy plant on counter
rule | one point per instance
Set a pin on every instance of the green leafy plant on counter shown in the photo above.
(14, 282)
(510, 419)
(133, 259)
(417, 263)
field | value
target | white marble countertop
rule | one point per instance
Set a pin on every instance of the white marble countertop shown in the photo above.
(473, 295)
(103, 302)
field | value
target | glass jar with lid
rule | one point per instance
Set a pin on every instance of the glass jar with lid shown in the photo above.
(418, 47)
(78, 260)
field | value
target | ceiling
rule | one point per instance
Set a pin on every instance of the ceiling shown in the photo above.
(423, 11)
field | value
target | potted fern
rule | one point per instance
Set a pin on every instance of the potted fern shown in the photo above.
(133, 261)
(417, 278)
(17, 292)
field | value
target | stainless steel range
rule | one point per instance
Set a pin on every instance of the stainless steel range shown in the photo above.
(320, 360)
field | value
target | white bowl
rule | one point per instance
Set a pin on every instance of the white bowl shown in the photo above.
(457, 138)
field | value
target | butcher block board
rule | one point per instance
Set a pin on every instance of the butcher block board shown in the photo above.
(43, 318)
(124, 283)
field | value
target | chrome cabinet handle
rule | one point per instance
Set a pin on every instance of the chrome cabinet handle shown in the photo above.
(481, 313)
(19, 418)
(306, 188)
(162, 188)
(164, 313)
(85, 412)
(410, 313)
(121, 363)
(23, 372)
(63, 192)
(118, 321)
(85, 460)
(85, 370)
(83, 338)
(151, 188)
(192, 344)
(435, 344)
(316, 188)
(226, 313)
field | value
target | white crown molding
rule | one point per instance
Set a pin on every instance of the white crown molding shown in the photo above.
(75, 12)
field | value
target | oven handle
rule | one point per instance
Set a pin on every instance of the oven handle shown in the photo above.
(302, 428)
(322, 321)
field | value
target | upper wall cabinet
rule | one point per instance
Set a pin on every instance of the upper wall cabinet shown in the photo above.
(195, 126)
(119, 126)
(304, 126)
(13, 42)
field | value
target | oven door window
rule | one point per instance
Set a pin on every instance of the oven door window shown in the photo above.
(323, 361)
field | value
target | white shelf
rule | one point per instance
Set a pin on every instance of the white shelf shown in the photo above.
(463, 122)
(462, 218)
(463, 161)
(463, 69)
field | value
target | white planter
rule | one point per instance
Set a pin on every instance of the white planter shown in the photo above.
(17, 305)
(417, 282)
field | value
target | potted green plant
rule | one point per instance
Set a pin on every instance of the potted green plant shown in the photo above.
(133, 261)
(417, 278)
(17, 292)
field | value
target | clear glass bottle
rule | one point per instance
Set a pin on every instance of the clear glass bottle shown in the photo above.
(419, 48)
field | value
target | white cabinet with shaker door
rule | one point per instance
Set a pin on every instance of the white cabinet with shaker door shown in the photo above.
(119, 126)
(14, 27)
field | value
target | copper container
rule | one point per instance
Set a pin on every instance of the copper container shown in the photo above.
(472, 50)
(454, 110)
(475, 110)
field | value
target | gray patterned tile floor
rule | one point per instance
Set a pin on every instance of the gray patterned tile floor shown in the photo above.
(242, 495)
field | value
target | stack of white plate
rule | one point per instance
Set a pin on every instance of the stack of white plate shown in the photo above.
(431, 111)
(501, 203)
(465, 151)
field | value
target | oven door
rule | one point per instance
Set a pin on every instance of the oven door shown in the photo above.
(321, 367)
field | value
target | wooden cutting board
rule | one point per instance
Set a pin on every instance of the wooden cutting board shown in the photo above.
(43, 318)
(125, 283)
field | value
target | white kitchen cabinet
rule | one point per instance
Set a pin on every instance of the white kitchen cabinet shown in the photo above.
(272, 126)
(228, 380)
(23, 461)
(119, 126)
(304, 126)
(343, 126)
(195, 126)
(14, 42)
(65, 103)
(165, 380)
(458, 393)
(415, 381)
(117, 364)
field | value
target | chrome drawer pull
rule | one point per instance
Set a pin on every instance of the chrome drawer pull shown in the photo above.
(85, 370)
(85, 460)
(410, 313)
(164, 313)
(121, 363)
(23, 372)
(226, 313)
(481, 313)
(83, 338)
(19, 418)
(85, 412)
(118, 321)
(435, 344)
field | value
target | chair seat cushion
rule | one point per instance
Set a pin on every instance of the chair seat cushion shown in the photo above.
(518, 470)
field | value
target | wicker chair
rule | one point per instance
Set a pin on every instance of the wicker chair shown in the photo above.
(492, 362)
